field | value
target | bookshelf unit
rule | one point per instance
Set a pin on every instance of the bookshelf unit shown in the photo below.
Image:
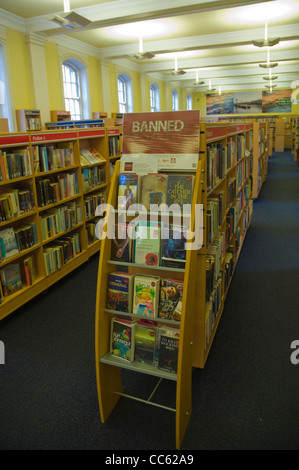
(44, 169)
(28, 120)
(295, 138)
(223, 185)
(261, 144)
(57, 116)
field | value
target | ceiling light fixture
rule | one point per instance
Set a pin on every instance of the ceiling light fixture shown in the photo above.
(66, 5)
(70, 19)
(176, 70)
(143, 55)
(197, 82)
(268, 64)
(210, 87)
(266, 42)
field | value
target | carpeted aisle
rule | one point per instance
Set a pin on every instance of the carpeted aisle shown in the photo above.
(245, 398)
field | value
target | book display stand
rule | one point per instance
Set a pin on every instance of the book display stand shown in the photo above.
(223, 189)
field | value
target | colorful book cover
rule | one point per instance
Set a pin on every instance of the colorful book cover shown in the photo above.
(179, 190)
(164, 330)
(173, 252)
(8, 243)
(11, 279)
(146, 296)
(147, 243)
(168, 354)
(122, 243)
(119, 295)
(154, 190)
(127, 190)
(145, 335)
(122, 342)
(171, 294)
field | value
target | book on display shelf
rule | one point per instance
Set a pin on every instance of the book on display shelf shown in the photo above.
(154, 190)
(11, 279)
(147, 243)
(122, 341)
(173, 251)
(120, 291)
(145, 334)
(128, 190)
(146, 296)
(171, 294)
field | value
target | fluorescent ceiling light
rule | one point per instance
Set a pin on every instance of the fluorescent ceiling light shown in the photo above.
(146, 29)
(255, 14)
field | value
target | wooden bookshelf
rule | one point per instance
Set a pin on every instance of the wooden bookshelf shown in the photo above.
(58, 116)
(224, 187)
(54, 218)
(28, 120)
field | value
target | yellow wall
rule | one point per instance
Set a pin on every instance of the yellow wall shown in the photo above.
(19, 69)
(113, 89)
(54, 78)
(136, 89)
(94, 85)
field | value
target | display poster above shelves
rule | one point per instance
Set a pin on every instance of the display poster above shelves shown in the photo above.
(171, 136)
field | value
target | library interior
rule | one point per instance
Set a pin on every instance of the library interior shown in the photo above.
(149, 226)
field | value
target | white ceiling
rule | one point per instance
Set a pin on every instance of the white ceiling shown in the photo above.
(215, 36)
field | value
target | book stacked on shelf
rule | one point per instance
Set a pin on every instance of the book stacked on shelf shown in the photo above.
(59, 253)
(217, 164)
(145, 342)
(16, 164)
(56, 188)
(15, 202)
(10, 279)
(114, 146)
(90, 157)
(15, 240)
(93, 177)
(155, 189)
(30, 269)
(50, 157)
(145, 296)
(92, 201)
(60, 219)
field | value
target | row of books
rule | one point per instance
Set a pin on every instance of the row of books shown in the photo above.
(91, 231)
(15, 240)
(90, 156)
(15, 202)
(215, 213)
(114, 146)
(145, 342)
(61, 219)
(16, 164)
(92, 201)
(50, 157)
(56, 188)
(147, 296)
(92, 177)
(58, 254)
(150, 244)
(11, 278)
(158, 188)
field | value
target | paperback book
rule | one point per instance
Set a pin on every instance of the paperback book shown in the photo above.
(146, 296)
(154, 190)
(171, 294)
(122, 243)
(179, 190)
(127, 190)
(8, 243)
(11, 279)
(120, 290)
(122, 341)
(166, 350)
(147, 243)
(145, 334)
(173, 252)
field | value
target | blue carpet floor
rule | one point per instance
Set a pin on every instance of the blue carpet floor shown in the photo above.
(247, 396)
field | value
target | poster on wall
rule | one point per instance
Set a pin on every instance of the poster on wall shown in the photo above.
(248, 102)
(172, 137)
(220, 104)
(279, 101)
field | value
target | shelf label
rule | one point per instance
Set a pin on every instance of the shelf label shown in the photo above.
(40, 138)
(113, 131)
(99, 132)
(14, 139)
(215, 132)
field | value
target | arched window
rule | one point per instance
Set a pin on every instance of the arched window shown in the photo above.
(189, 102)
(75, 89)
(154, 98)
(174, 100)
(124, 89)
